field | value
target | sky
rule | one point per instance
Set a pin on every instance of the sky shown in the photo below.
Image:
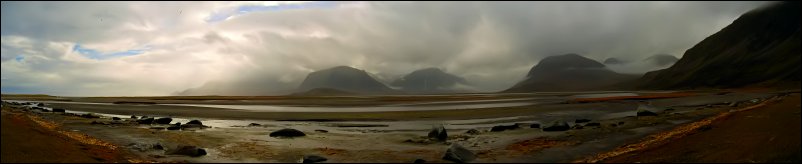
(268, 48)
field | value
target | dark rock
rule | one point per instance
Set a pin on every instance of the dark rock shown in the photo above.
(321, 130)
(593, 124)
(134, 117)
(419, 161)
(438, 132)
(646, 113)
(581, 120)
(503, 128)
(557, 126)
(613, 125)
(287, 133)
(577, 126)
(158, 146)
(165, 120)
(191, 151)
(254, 124)
(188, 126)
(100, 123)
(115, 118)
(59, 110)
(40, 104)
(621, 123)
(313, 159)
(534, 125)
(197, 122)
(89, 115)
(457, 153)
(145, 120)
(174, 127)
(473, 132)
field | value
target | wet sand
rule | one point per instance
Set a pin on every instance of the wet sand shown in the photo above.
(398, 139)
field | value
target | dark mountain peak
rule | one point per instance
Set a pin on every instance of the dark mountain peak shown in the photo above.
(760, 47)
(613, 61)
(429, 80)
(569, 72)
(563, 62)
(343, 78)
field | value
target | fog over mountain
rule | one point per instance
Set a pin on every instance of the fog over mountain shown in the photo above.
(268, 48)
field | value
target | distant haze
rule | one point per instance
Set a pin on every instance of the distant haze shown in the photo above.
(268, 48)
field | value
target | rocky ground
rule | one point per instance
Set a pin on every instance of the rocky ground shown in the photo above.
(502, 141)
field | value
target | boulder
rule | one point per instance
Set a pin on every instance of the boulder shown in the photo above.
(534, 125)
(287, 133)
(40, 104)
(116, 118)
(197, 122)
(457, 153)
(158, 146)
(254, 124)
(59, 110)
(313, 159)
(134, 117)
(145, 120)
(321, 131)
(557, 126)
(174, 127)
(646, 110)
(187, 126)
(165, 120)
(503, 128)
(89, 115)
(191, 151)
(581, 120)
(473, 132)
(438, 132)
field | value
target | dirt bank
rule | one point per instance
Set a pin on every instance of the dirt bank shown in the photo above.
(767, 134)
(26, 140)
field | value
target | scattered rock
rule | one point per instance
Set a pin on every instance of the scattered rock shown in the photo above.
(191, 151)
(89, 115)
(557, 126)
(419, 161)
(158, 146)
(646, 113)
(100, 123)
(188, 126)
(457, 153)
(157, 128)
(593, 124)
(165, 120)
(577, 126)
(40, 104)
(473, 132)
(116, 118)
(196, 122)
(145, 120)
(134, 117)
(534, 125)
(287, 133)
(313, 159)
(581, 120)
(176, 126)
(321, 131)
(438, 132)
(59, 110)
(646, 110)
(254, 124)
(503, 128)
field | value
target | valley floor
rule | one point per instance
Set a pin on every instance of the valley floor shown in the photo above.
(726, 126)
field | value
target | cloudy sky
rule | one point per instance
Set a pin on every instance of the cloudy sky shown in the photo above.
(267, 48)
